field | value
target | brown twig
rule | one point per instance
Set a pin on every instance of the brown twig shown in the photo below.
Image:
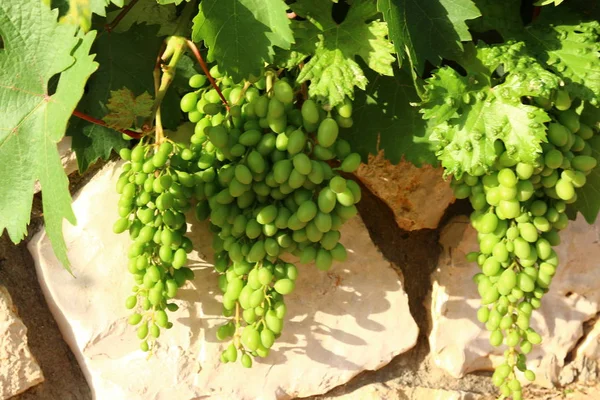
(78, 114)
(194, 49)
(118, 18)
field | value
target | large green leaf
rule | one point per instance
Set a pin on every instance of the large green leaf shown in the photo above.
(332, 70)
(428, 30)
(571, 49)
(33, 120)
(240, 34)
(467, 114)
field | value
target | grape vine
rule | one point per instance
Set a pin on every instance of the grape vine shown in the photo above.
(260, 139)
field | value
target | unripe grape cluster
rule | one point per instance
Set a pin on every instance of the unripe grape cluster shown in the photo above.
(155, 194)
(263, 165)
(268, 180)
(519, 209)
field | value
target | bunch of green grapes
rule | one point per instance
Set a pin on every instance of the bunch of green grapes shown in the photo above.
(155, 194)
(267, 183)
(518, 211)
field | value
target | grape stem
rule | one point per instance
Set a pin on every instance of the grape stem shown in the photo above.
(192, 46)
(118, 18)
(173, 50)
(85, 117)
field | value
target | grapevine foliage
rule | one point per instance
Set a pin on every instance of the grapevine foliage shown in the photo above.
(469, 113)
(245, 111)
(36, 48)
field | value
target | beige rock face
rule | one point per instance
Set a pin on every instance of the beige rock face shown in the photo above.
(459, 343)
(379, 391)
(18, 369)
(67, 158)
(418, 196)
(353, 318)
(590, 346)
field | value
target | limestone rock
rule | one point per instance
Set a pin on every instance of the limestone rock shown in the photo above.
(18, 369)
(590, 346)
(67, 158)
(417, 196)
(574, 297)
(353, 318)
(380, 391)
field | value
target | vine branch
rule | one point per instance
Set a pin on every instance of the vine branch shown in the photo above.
(173, 50)
(118, 18)
(192, 46)
(85, 117)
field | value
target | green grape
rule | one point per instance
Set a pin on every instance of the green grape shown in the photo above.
(583, 163)
(327, 132)
(506, 177)
(310, 111)
(284, 286)
(307, 211)
(283, 92)
(496, 338)
(197, 81)
(323, 260)
(188, 102)
(351, 163)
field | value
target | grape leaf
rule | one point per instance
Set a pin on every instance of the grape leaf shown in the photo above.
(384, 119)
(79, 13)
(332, 75)
(125, 108)
(240, 34)
(36, 48)
(572, 51)
(166, 2)
(547, 2)
(149, 12)
(99, 6)
(357, 35)
(428, 30)
(332, 70)
(503, 17)
(126, 60)
(468, 114)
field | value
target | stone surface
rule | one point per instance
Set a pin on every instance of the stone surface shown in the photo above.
(67, 158)
(590, 346)
(418, 196)
(63, 379)
(353, 318)
(574, 297)
(380, 391)
(18, 368)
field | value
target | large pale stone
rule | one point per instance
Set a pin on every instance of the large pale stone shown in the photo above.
(354, 317)
(417, 196)
(390, 391)
(67, 158)
(574, 297)
(18, 369)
